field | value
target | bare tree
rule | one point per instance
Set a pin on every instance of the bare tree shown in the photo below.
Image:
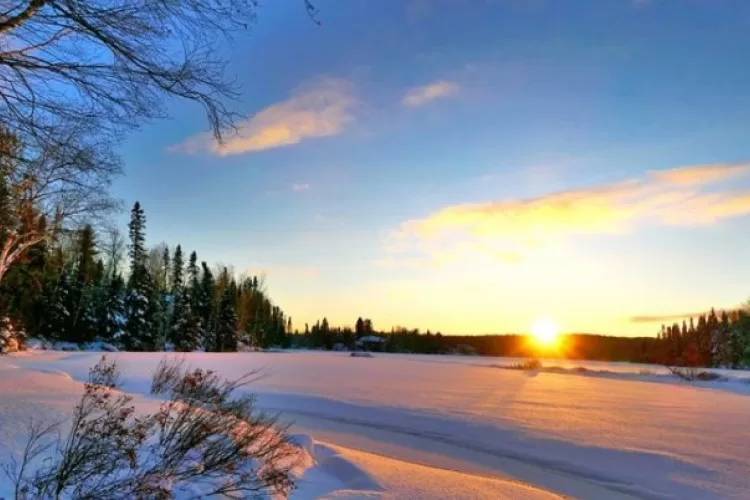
(44, 188)
(113, 62)
(77, 74)
(113, 248)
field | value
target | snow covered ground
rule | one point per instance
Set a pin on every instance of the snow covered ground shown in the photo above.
(396, 426)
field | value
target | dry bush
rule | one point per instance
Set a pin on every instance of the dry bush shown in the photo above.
(691, 374)
(529, 364)
(204, 442)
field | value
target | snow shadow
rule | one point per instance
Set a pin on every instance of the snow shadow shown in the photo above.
(552, 464)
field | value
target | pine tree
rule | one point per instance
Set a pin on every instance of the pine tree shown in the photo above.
(193, 279)
(325, 333)
(83, 293)
(111, 319)
(56, 323)
(178, 271)
(205, 306)
(722, 343)
(226, 324)
(359, 327)
(139, 333)
(184, 332)
(189, 335)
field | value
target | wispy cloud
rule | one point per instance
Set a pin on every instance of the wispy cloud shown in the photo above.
(676, 318)
(300, 187)
(700, 174)
(506, 229)
(666, 318)
(419, 96)
(323, 109)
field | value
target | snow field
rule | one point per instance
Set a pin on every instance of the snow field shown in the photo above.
(435, 427)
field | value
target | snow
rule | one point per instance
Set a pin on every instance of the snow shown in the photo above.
(403, 426)
(357, 354)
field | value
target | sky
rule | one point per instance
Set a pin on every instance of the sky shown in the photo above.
(469, 166)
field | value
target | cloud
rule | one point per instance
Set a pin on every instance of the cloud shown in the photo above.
(300, 187)
(323, 109)
(666, 318)
(507, 229)
(678, 318)
(701, 174)
(419, 96)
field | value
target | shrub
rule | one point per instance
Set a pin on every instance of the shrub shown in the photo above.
(529, 364)
(691, 374)
(203, 442)
(11, 338)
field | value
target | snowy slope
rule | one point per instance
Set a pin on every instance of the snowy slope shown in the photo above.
(583, 435)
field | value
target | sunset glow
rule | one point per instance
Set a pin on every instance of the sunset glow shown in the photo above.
(545, 332)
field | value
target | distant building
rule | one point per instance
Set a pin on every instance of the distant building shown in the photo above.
(370, 343)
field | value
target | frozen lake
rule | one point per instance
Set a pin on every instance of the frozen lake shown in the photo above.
(619, 434)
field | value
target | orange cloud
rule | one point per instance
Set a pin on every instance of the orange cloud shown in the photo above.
(321, 110)
(420, 96)
(506, 229)
(700, 174)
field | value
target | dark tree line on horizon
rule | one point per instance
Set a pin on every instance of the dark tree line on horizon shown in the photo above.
(711, 340)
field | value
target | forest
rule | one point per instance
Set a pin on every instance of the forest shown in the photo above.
(83, 287)
(710, 340)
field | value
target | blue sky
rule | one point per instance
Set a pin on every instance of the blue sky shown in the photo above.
(469, 166)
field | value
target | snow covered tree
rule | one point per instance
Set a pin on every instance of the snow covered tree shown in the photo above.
(57, 302)
(184, 331)
(111, 317)
(178, 270)
(139, 332)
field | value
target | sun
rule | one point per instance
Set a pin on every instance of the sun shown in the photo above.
(545, 332)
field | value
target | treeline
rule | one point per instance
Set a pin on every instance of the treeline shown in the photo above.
(74, 290)
(709, 340)
(413, 341)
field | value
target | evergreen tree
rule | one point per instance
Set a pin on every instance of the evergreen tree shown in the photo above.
(140, 310)
(83, 292)
(205, 306)
(359, 327)
(325, 334)
(56, 323)
(177, 279)
(722, 343)
(111, 318)
(226, 323)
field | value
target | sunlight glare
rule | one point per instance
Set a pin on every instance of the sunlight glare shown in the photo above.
(545, 332)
